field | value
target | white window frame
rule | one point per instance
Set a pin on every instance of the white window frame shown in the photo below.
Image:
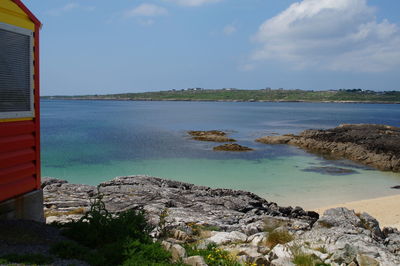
(31, 113)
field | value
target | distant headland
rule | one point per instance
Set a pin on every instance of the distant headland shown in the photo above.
(240, 95)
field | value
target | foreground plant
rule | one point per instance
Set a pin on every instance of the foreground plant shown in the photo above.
(213, 255)
(105, 239)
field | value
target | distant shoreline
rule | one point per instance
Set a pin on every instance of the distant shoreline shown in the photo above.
(199, 100)
(240, 95)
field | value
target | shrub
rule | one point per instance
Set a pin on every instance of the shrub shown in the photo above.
(279, 237)
(303, 260)
(198, 228)
(322, 249)
(34, 258)
(73, 250)
(213, 255)
(106, 239)
(138, 253)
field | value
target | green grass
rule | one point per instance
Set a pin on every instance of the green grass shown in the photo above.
(29, 259)
(302, 259)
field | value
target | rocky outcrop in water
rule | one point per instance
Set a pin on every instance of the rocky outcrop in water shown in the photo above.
(250, 228)
(373, 145)
(232, 147)
(212, 135)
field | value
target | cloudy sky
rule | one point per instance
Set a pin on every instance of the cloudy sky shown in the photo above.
(103, 46)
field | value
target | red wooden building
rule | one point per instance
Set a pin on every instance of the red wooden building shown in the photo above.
(20, 193)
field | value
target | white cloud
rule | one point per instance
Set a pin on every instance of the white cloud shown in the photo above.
(146, 10)
(193, 2)
(69, 7)
(229, 30)
(247, 67)
(63, 9)
(341, 35)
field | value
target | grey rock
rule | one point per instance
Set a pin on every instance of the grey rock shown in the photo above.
(241, 217)
(177, 252)
(260, 261)
(180, 235)
(339, 217)
(370, 223)
(364, 260)
(230, 210)
(258, 239)
(246, 250)
(392, 242)
(280, 252)
(345, 255)
(166, 245)
(225, 238)
(195, 261)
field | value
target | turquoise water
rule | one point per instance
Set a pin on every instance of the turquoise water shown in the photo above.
(94, 141)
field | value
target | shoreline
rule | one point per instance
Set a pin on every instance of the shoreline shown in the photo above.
(239, 222)
(195, 100)
(372, 145)
(385, 209)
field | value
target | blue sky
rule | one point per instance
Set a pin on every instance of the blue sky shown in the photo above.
(99, 46)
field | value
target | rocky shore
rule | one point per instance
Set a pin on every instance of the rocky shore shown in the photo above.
(373, 145)
(250, 228)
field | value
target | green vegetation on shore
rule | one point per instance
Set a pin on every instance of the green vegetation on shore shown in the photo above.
(355, 95)
(100, 238)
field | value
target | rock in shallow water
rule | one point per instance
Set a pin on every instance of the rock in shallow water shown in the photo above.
(212, 135)
(330, 170)
(232, 147)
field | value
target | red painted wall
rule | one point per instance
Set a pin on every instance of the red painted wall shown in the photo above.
(19, 171)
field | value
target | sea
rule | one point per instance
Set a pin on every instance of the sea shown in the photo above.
(89, 142)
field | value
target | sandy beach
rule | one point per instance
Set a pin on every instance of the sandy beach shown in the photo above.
(386, 209)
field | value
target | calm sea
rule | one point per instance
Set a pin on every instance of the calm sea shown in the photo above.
(93, 141)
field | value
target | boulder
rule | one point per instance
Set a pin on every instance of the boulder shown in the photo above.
(258, 239)
(364, 260)
(222, 238)
(177, 252)
(345, 255)
(195, 261)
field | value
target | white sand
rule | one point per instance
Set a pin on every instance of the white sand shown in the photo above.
(386, 210)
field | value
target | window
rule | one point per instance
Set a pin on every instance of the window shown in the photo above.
(16, 72)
